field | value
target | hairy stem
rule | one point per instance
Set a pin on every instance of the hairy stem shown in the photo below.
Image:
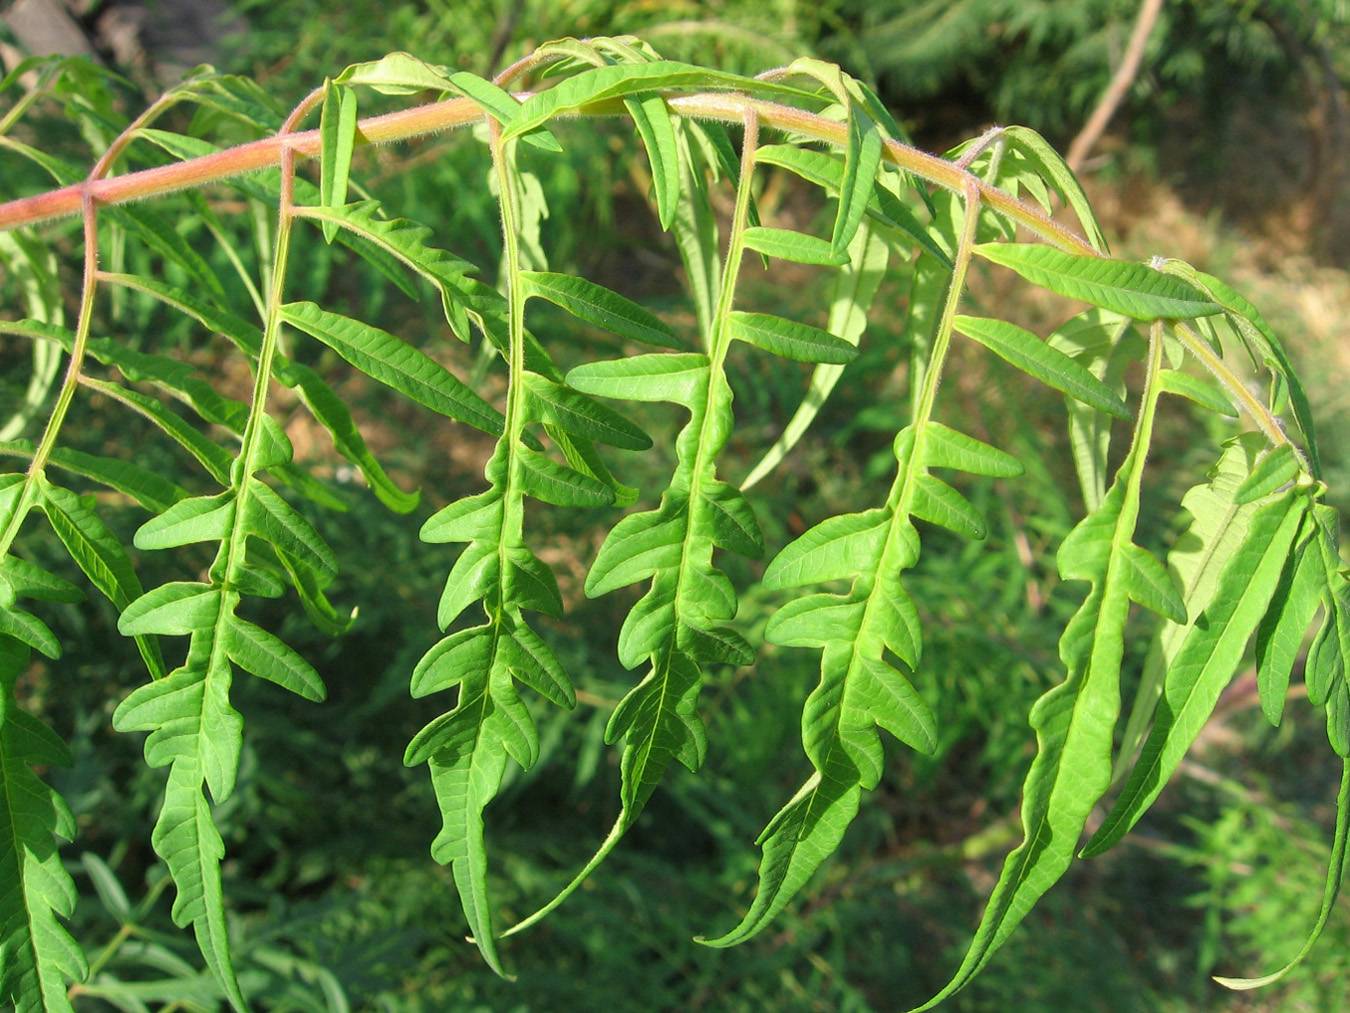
(727, 107)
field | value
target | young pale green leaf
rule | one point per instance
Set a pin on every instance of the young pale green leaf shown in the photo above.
(200, 519)
(395, 363)
(1275, 469)
(678, 377)
(1052, 367)
(260, 653)
(652, 119)
(797, 247)
(397, 74)
(546, 480)
(1206, 661)
(1136, 290)
(558, 405)
(597, 305)
(837, 548)
(788, 338)
(337, 141)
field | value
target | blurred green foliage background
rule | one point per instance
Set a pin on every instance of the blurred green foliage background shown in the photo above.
(1228, 146)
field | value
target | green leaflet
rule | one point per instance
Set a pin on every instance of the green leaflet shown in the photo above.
(652, 119)
(599, 84)
(260, 653)
(1264, 344)
(836, 548)
(862, 159)
(405, 242)
(790, 339)
(98, 553)
(1136, 290)
(1046, 363)
(38, 957)
(395, 363)
(212, 457)
(1202, 392)
(337, 138)
(159, 235)
(680, 378)
(1207, 659)
(1050, 166)
(1276, 468)
(330, 411)
(597, 305)
(1075, 721)
(1335, 874)
(850, 300)
(794, 246)
(884, 207)
(1105, 344)
(200, 519)
(1279, 638)
(558, 405)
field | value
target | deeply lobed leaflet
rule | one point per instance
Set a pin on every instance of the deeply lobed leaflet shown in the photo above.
(1260, 560)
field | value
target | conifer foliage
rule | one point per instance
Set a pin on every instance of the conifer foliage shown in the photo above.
(1259, 564)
